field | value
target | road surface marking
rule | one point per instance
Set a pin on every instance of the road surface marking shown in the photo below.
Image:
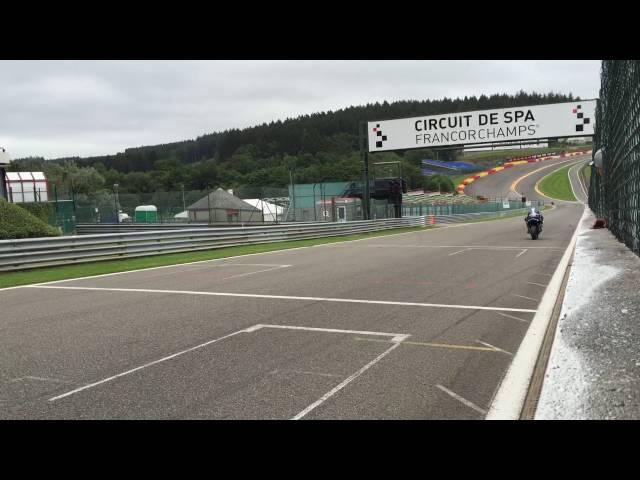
(438, 345)
(510, 396)
(522, 253)
(515, 318)
(494, 347)
(302, 372)
(537, 189)
(42, 379)
(528, 298)
(257, 271)
(273, 252)
(514, 185)
(463, 400)
(538, 284)
(345, 382)
(571, 182)
(397, 337)
(459, 251)
(475, 247)
(582, 184)
(91, 385)
(286, 297)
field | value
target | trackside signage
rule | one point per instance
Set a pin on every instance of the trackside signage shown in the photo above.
(573, 119)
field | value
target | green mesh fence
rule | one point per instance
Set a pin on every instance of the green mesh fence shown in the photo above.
(614, 193)
(263, 205)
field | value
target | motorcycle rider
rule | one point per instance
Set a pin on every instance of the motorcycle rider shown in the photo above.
(533, 213)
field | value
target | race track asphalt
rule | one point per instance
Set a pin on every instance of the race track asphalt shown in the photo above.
(419, 325)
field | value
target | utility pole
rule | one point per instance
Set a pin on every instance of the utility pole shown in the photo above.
(293, 195)
(115, 188)
(209, 202)
(364, 153)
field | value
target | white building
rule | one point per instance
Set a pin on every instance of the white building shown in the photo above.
(271, 212)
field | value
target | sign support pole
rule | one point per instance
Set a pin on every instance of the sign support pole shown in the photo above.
(364, 153)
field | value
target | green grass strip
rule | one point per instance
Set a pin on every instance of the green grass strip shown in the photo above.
(557, 185)
(586, 174)
(48, 274)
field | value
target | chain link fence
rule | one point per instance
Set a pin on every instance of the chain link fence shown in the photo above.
(614, 191)
(233, 206)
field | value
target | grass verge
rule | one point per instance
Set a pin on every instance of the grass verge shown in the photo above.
(556, 185)
(49, 274)
(586, 174)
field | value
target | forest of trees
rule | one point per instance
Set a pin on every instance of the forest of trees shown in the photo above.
(318, 147)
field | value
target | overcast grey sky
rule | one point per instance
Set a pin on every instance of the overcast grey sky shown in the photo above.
(68, 108)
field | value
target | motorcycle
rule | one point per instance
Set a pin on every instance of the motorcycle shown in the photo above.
(534, 226)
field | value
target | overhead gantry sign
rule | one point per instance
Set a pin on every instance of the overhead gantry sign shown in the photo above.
(518, 124)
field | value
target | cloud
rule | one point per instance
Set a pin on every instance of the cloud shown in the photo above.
(81, 108)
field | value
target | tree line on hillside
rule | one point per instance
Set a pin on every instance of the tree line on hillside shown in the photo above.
(312, 148)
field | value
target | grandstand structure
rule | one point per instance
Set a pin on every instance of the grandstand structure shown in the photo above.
(438, 167)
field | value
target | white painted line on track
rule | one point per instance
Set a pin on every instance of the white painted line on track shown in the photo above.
(528, 298)
(522, 253)
(510, 396)
(581, 182)
(286, 297)
(475, 247)
(431, 344)
(459, 251)
(514, 318)
(537, 188)
(303, 372)
(40, 379)
(397, 337)
(462, 400)
(498, 349)
(578, 164)
(273, 252)
(11, 288)
(561, 164)
(164, 359)
(537, 284)
(345, 382)
(232, 257)
(234, 265)
(257, 271)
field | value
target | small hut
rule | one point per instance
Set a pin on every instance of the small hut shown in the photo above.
(221, 206)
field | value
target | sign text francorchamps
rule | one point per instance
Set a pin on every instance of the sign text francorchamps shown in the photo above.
(573, 119)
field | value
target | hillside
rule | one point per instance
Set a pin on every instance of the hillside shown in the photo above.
(318, 147)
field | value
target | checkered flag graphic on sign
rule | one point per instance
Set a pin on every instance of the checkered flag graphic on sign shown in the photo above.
(379, 137)
(581, 119)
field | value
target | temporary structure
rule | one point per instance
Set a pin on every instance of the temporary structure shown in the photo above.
(270, 211)
(146, 214)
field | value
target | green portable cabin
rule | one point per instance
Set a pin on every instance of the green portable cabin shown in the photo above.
(146, 214)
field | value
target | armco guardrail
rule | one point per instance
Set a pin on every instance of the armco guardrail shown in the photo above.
(435, 220)
(95, 228)
(43, 252)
